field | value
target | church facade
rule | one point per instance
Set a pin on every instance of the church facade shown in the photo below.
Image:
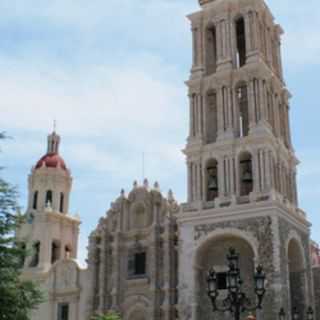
(149, 256)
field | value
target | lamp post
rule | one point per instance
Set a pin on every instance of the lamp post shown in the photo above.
(236, 301)
(296, 314)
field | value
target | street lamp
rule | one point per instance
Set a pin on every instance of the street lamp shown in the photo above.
(296, 315)
(236, 300)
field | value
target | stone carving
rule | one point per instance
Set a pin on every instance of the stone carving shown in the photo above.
(66, 275)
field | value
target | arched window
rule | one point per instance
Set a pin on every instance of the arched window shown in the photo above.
(211, 52)
(48, 197)
(35, 200)
(212, 180)
(35, 254)
(242, 96)
(55, 251)
(61, 206)
(212, 117)
(246, 174)
(241, 42)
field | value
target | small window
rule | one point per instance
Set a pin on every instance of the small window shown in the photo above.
(63, 311)
(241, 42)
(55, 251)
(36, 254)
(35, 200)
(67, 252)
(243, 105)
(61, 202)
(49, 197)
(137, 265)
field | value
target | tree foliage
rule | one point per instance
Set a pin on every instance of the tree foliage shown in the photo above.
(17, 297)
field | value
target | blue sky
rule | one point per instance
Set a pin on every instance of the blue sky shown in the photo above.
(112, 74)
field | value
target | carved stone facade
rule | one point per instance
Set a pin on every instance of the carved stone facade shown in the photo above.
(148, 257)
(133, 256)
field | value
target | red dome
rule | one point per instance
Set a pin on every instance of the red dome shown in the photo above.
(51, 160)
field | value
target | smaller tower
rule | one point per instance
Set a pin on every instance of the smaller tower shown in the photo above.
(50, 231)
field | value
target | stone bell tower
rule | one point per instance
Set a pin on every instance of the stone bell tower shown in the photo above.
(240, 162)
(50, 232)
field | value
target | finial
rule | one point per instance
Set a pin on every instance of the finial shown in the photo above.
(156, 186)
(53, 142)
(135, 184)
(146, 183)
(54, 125)
(170, 195)
(122, 193)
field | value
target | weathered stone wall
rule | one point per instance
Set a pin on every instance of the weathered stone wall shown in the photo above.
(302, 296)
(316, 284)
(260, 229)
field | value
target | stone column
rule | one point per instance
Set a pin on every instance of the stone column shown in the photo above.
(194, 181)
(254, 27)
(220, 114)
(200, 115)
(229, 123)
(191, 125)
(251, 105)
(236, 119)
(268, 182)
(276, 116)
(195, 52)
(189, 174)
(255, 171)
(268, 45)
(92, 275)
(221, 177)
(247, 34)
(279, 58)
(116, 272)
(153, 265)
(167, 288)
(102, 274)
(263, 102)
(219, 38)
(228, 44)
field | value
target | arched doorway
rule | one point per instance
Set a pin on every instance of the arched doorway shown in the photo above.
(297, 276)
(213, 254)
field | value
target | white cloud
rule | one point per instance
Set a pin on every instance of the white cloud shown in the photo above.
(91, 102)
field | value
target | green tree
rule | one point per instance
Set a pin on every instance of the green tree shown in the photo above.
(109, 316)
(17, 297)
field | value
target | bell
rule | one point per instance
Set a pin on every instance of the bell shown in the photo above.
(213, 185)
(247, 177)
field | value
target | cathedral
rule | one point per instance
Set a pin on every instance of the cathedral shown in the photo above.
(149, 256)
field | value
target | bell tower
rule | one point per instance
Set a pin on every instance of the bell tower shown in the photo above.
(239, 145)
(50, 232)
(241, 166)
